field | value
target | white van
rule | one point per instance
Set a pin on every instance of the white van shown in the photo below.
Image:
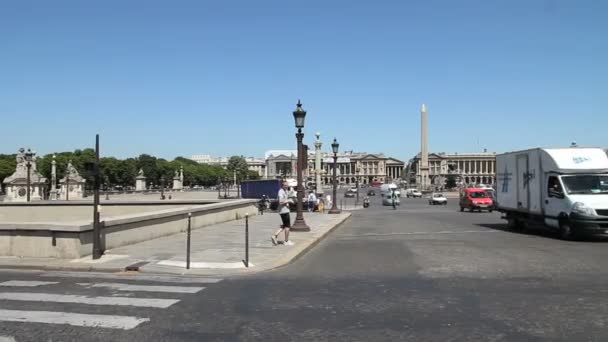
(386, 192)
(566, 189)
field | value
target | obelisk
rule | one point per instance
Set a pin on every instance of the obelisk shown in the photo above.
(424, 152)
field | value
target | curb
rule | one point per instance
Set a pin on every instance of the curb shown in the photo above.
(289, 258)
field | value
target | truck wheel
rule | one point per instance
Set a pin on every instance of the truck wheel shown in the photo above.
(565, 231)
(513, 223)
(490, 210)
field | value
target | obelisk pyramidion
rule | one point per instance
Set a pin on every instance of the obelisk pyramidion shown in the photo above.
(423, 173)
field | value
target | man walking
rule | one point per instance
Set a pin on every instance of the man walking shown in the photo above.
(284, 202)
(312, 201)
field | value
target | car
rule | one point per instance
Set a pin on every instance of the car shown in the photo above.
(476, 199)
(371, 193)
(437, 198)
(349, 194)
(353, 190)
(415, 193)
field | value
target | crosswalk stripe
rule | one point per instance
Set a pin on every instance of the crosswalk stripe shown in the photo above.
(59, 298)
(27, 283)
(146, 277)
(76, 319)
(145, 288)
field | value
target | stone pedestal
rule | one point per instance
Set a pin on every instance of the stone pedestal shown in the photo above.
(16, 184)
(140, 181)
(72, 185)
(177, 184)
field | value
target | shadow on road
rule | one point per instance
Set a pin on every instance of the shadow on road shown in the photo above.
(537, 230)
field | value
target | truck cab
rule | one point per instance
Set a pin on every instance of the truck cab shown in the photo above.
(577, 204)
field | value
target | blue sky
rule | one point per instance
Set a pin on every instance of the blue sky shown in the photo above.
(176, 78)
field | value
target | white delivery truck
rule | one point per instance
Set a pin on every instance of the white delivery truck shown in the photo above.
(564, 188)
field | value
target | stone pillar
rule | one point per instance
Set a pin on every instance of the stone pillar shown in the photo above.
(181, 178)
(53, 194)
(318, 145)
(424, 152)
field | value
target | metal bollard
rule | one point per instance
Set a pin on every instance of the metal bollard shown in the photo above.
(246, 240)
(188, 241)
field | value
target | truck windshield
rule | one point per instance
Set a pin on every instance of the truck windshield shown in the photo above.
(586, 184)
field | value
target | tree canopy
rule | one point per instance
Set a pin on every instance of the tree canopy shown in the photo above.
(122, 172)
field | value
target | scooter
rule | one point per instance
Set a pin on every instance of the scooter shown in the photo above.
(365, 202)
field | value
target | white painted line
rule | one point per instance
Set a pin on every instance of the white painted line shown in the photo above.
(7, 339)
(145, 288)
(132, 276)
(76, 319)
(59, 298)
(27, 283)
(220, 265)
(104, 258)
(420, 233)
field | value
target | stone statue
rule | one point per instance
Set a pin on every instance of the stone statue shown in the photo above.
(140, 173)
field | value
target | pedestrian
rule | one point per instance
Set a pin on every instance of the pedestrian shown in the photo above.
(328, 202)
(312, 201)
(284, 202)
(393, 198)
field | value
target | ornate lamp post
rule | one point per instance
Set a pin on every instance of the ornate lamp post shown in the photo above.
(357, 171)
(334, 207)
(162, 187)
(299, 224)
(29, 156)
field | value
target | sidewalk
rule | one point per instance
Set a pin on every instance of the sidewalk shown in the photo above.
(215, 250)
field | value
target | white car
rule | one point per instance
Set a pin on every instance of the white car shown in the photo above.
(413, 193)
(437, 198)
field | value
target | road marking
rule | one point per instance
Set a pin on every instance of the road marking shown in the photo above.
(421, 233)
(222, 265)
(7, 339)
(27, 283)
(133, 276)
(59, 298)
(145, 288)
(76, 319)
(104, 258)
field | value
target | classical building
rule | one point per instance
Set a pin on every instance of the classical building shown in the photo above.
(255, 164)
(281, 163)
(468, 168)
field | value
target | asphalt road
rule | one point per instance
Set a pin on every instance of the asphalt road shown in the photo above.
(418, 273)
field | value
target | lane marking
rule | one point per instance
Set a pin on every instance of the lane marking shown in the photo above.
(27, 283)
(145, 288)
(77, 299)
(220, 265)
(421, 233)
(131, 276)
(76, 319)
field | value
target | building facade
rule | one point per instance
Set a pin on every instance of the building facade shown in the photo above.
(466, 168)
(255, 164)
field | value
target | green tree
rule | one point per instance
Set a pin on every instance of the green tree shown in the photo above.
(7, 166)
(238, 165)
(450, 181)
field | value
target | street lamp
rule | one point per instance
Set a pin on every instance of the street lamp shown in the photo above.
(162, 187)
(334, 208)
(299, 224)
(29, 156)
